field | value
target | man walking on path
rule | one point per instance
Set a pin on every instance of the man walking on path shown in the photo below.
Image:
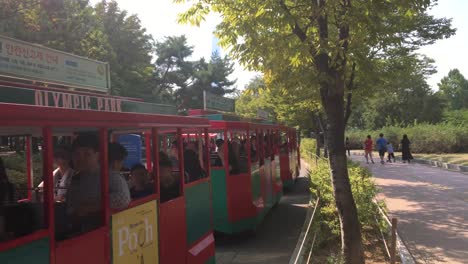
(381, 147)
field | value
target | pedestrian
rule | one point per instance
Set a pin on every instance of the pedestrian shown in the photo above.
(368, 145)
(405, 149)
(381, 147)
(347, 145)
(390, 152)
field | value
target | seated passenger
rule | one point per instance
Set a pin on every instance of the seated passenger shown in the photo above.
(63, 174)
(119, 193)
(174, 154)
(219, 160)
(84, 194)
(142, 186)
(253, 148)
(193, 170)
(170, 185)
(192, 145)
(7, 189)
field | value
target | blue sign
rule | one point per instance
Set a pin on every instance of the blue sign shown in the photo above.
(133, 145)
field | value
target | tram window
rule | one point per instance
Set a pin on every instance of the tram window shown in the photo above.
(170, 182)
(253, 149)
(81, 212)
(284, 143)
(170, 178)
(194, 156)
(237, 156)
(217, 149)
(217, 157)
(21, 212)
(119, 193)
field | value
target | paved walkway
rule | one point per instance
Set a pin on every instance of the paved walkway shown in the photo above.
(275, 239)
(431, 205)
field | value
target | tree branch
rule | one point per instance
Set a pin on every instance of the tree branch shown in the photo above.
(296, 28)
(349, 97)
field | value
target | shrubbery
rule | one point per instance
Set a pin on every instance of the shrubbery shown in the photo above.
(326, 221)
(425, 138)
(15, 165)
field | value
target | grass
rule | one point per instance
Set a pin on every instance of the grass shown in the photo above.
(455, 158)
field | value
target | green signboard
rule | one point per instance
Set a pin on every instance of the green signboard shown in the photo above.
(80, 101)
(22, 59)
(216, 102)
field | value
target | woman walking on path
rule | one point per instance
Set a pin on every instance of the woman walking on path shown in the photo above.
(348, 147)
(368, 145)
(405, 149)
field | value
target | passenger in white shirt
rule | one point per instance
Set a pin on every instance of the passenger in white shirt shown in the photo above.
(63, 174)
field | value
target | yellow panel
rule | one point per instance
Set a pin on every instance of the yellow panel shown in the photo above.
(135, 235)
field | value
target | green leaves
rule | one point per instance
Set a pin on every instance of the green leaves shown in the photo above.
(454, 88)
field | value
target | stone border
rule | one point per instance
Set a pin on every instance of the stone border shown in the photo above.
(434, 163)
(443, 165)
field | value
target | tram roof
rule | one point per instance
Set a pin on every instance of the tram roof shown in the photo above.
(26, 119)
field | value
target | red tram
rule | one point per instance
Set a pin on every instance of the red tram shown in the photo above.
(92, 178)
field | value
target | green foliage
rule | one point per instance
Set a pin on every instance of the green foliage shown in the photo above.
(308, 149)
(456, 117)
(103, 32)
(398, 96)
(425, 138)
(184, 80)
(454, 88)
(327, 222)
(15, 165)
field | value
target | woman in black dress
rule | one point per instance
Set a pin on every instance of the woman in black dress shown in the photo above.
(405, 149)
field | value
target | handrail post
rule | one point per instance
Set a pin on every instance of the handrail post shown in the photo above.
(393, 242)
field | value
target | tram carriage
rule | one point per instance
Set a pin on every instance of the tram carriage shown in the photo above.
(243, 196)
(151, 231)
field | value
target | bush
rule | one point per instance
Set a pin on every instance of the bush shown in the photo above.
(425, 138)
(327, 222)
(308, 147)
(15, 165)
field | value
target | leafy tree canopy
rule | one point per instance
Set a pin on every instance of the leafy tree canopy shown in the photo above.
(454, 88)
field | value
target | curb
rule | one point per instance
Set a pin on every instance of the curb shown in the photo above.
(434, 163)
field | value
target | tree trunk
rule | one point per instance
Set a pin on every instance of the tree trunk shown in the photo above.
(347, 211)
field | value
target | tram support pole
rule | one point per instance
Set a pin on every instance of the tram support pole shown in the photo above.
(103, 158)
(29, 166)
(47, 158)
(149, 157)
(155, 148)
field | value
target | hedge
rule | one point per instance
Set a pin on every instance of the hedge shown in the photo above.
(425, 138)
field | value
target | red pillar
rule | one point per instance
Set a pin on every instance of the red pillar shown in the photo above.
(47, 156)
(103, 158)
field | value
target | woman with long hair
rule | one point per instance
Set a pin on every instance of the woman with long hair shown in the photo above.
(405, 149)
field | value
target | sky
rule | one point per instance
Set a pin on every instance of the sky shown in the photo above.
(450, 53)
(159, 18)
